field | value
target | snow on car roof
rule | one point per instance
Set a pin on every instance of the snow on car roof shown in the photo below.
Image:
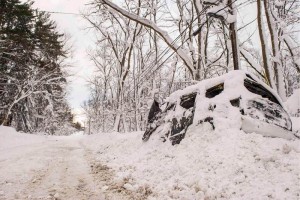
(233, 82)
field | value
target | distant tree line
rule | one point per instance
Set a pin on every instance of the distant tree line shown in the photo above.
(32, 79)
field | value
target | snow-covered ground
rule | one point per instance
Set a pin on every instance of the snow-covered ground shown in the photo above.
(293, 103)
(41, 167)
(207, 164)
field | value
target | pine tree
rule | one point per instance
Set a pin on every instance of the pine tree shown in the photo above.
(32, 82)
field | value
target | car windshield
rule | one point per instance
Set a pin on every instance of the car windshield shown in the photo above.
(214, 91)
(257, 88)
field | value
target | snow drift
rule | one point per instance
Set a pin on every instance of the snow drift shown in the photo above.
(207, 164)
(293, 103)
(10, 138)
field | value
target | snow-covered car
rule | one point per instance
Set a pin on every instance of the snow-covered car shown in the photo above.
(235, 100)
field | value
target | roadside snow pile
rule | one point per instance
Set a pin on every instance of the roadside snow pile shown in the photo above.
(207, 164)
(10, 138)
(293, 107)
(293, 104)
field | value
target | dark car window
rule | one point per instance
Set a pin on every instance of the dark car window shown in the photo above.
(235, 102)
(248, 76)
(154, 110)
(214, 91)
(257, 88)
(187, 101)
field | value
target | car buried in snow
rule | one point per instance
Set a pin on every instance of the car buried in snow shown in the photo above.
(235, 100)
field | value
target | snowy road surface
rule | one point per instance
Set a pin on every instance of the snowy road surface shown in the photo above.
(52, 169)
(227, 164)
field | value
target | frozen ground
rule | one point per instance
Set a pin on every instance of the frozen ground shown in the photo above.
(207, 164)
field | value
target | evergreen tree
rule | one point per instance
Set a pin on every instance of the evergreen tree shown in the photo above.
(32, 82)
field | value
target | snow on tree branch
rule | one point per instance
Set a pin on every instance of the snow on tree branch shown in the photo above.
(154, 27)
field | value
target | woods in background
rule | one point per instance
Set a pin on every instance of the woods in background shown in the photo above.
(32, 79)
(149, 48)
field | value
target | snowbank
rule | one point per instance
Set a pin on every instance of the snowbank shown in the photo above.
(207, 164)
(293, 107)
(10, 138)
(293, 104)
(296, 124)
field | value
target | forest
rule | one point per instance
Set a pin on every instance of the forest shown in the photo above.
(146, 50)
(32, 70)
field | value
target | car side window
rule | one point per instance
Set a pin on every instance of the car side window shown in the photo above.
(214, 91)
(154, 110)
(257, 88)
(187, 101)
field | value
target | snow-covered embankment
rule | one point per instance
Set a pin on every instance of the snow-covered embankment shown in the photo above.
(207, 164)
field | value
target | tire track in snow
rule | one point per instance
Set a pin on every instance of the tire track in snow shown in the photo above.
(57, 171)
(113, 189)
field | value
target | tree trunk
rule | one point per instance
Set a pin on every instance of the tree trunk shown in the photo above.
(234, 40)
(275, 50)
(264, 47)
(117, 122)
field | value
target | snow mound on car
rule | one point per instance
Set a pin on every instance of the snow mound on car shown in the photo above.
(231, 79)
(234, 100)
